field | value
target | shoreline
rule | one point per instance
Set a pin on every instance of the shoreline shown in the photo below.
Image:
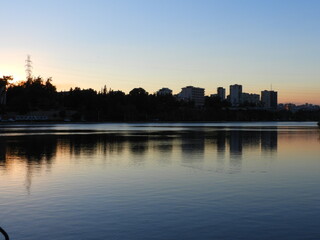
(140, 122)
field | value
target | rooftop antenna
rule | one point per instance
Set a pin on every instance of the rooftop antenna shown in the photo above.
(271, 86)
(28, 67)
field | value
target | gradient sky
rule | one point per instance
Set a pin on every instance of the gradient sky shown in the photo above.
(167, 43)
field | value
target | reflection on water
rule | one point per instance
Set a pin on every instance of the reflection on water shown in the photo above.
(39, 151)
(148, 183)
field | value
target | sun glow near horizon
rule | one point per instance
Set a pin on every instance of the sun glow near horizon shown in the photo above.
(15, 71)
(16, 77)
(155, 44)
(289, 95)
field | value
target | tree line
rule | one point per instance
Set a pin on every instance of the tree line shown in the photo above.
(38, 94)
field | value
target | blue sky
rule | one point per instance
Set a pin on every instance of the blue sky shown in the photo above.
(167, 43)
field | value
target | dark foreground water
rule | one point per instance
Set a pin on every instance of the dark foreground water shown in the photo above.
(160, 181)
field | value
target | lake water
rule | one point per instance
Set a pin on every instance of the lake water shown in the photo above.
(160, 181)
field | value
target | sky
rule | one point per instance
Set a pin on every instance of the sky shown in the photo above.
(152, 44)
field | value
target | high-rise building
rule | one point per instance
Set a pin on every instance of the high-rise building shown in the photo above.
(235, 94)
(194, 94)
(250, 98)
(164, 91)
(221, 92)
(269, 99)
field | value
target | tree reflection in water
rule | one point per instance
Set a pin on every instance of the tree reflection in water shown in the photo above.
(40, 151)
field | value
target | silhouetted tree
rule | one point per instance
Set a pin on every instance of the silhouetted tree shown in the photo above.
(138, 105)
(33, 94)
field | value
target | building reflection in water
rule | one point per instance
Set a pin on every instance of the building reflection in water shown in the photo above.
(269, 141)
(221, 140)
(40, 151)
(235, 146)
(192, 146)
(221, 143)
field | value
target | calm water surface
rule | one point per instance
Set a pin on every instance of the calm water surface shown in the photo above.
(160, 181)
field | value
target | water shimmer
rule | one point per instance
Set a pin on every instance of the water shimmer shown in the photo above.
(160, 181)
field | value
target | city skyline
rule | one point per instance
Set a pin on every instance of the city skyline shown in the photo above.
(250, 97)
(244, 97)
(127, 44)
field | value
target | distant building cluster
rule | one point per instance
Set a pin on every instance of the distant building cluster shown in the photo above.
(236, 97)
(294, 108)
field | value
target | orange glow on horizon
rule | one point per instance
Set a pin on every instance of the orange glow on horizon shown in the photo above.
(17, 75)
(290, 95)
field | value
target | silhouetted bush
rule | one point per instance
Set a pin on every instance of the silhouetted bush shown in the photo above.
(89, 105)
